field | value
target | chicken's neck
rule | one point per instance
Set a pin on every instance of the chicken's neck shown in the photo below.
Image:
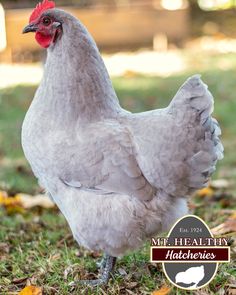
(75, 79)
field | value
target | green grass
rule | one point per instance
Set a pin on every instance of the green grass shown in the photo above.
(15, 173)
(37, 247)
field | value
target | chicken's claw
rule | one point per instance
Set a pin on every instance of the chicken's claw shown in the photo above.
(106, 267)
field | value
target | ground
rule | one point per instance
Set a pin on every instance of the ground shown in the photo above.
(36, 246)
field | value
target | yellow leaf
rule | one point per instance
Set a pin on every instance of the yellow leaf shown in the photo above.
(205, 192)
(31, 290)
(9, 201)
(163, 291)
(20, 202)
(11, 204)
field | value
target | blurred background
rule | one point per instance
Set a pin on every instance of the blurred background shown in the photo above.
(149, 47)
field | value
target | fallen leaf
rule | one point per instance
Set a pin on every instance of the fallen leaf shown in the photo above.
(8, 201)
(227, 227)
(23, 201)
(31, 290)
(11, 204)
(163, 291)
(232, 290)
(19, 281)
(28, 201)
(205, 192)
(219, 183)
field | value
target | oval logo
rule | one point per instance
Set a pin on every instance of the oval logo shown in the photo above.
(187, 275)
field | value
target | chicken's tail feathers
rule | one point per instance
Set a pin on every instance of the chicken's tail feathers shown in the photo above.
(194, 100)
(194, 93)
(203, 162)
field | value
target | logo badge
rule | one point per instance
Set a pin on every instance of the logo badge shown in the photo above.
(190, 254)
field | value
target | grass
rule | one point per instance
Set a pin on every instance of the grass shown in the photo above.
(37, 247)
(15, 174)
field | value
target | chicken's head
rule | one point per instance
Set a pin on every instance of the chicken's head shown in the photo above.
(45, 24)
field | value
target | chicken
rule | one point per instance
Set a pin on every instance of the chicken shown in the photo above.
(191, 276)
(117, 177)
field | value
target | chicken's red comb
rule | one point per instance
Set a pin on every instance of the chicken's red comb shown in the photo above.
(40, 8)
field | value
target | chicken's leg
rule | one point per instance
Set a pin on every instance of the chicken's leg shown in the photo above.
(102, 263)
(107, 266)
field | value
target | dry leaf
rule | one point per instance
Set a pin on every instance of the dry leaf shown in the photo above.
(12, 204)
(8, 201)
(219, 183)
(31, 290)
(23, 201)
(28, 201)
(232, 290)
(163, 291)
(228, 226)
(19, 281)
(205, 192)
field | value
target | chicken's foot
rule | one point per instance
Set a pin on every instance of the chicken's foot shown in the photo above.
(106, 267)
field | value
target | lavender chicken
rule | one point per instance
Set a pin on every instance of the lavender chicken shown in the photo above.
(118, 177)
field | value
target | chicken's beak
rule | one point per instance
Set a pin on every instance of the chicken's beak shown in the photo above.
(30, 28)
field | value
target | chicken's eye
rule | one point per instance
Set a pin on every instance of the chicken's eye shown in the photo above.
(46, 21)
